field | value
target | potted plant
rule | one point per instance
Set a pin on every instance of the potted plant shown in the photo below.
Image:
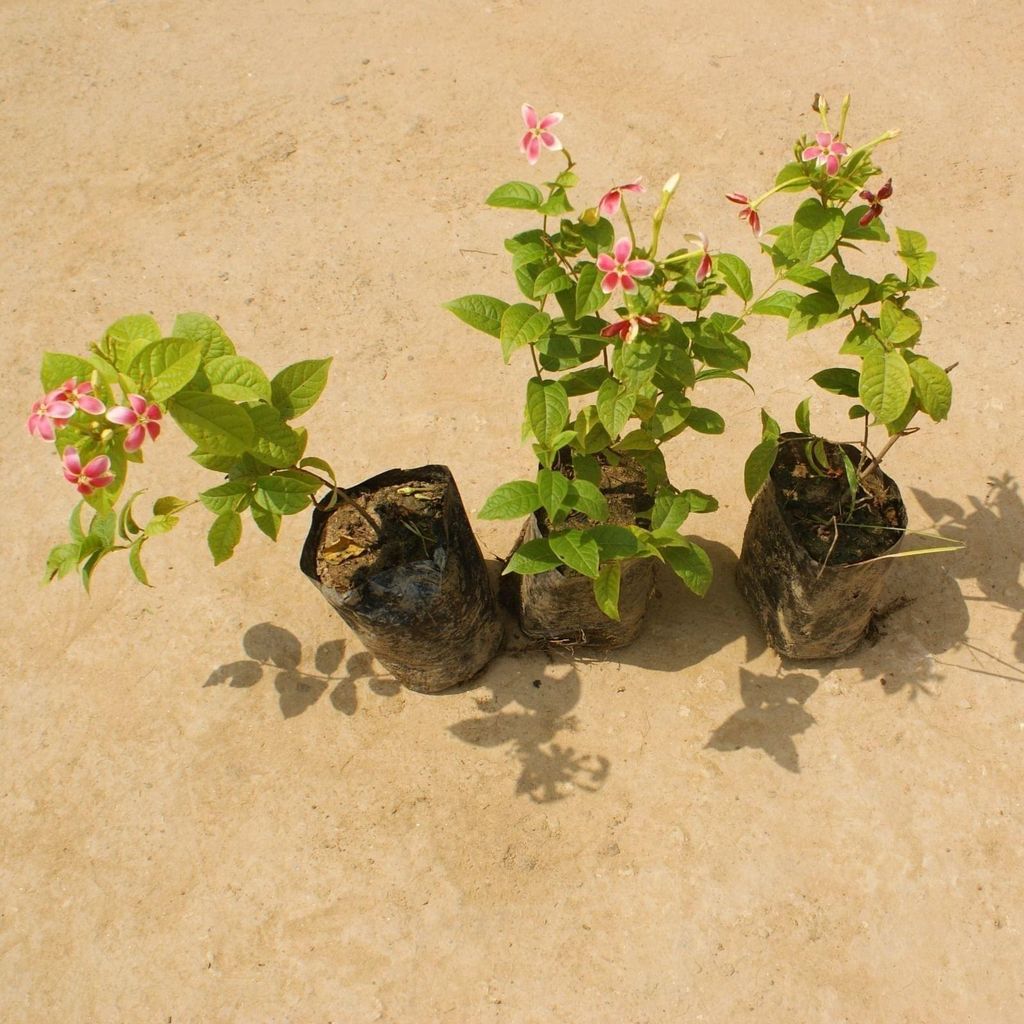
(826, 520)
(394, 555)
(618, 337)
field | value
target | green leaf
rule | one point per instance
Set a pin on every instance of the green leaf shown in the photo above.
(237, 378)
(814, 310)
(126, 337)
(885, 385)
(613, 541)
(135, 561)
(480, 311)
(232, 496)
(275, 443)
(816, 229)
(691, 564)
(586, 467)
(267, 521)
(584, 382)
(556, 204)
(215, 463)
(670, 415)
(529, 253)
(803, 416)
(551, 280)
(849, 289)
(204, 329)
(793, 178)
(285, 493)
(553, 489)
(636, 441)
(589, 295)
(168, 505)
(61, 560)
(637, 362)
(522, 324)
(127, 527)
(511, 501)
(516, 195)
(296, 388)
(932, 387)
(224, 535)
(591, 437)
(606, 589)
(769, 426)
(670, 511)
(874, 231)
(860, 341)
(320, 464)
(587, 498)
(839, 380)
(614, 406)
(57, 368)
(705, 421)
(779, 303)
(532, 557)
(547, 408)
(159, 525)
(735, 273)
(566, 180)
(597, 237)
(898, 326)
(218, 426)
(759, 464)
(914, 253)
(577, 551)
(166, 366)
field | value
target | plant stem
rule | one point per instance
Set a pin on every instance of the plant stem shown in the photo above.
(536, 364)
(346, 499)
(629, 223)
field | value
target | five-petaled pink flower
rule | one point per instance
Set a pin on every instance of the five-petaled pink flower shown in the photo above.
(619, 269)
(629, 328)
(748, 213)
(94, 475)
(609, 204)
(81, 396)
(141, 417)
(828, 151)
(538, 132)
(704, 268)
(50, 412)
(875, 208)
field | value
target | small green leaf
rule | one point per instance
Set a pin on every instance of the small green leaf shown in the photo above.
(591, 437)
(553, 489)
(576, 551)
(769, 426)
(839, 380)
(670, 511)
(885, 385)
(898, 326)
(814, 310)
(914, 253)
(522, 324)
(638, 440)
(584, 382)
(606, 589)
(816, 229)
(127, 527)
(217, 425)
(589, 295)
(932, 387)
(860, 341)
(779, 303)
(691, 564)
(126, 337)
(547, 408)
(166, 366)
(849, 289)
(613, 541)
(803, 416)
(516, 195)
(735, 273)
(57, 368)
(159, 525)
(532, 557)
(551, 280)
(480, 311)
(238, 379)
(61, 560)
(224, 535)
(614, 406)
(637, 362)
(511, 501)
(297, 387)
(585, 497)
(275, 443)
(204, 329)
(231, 496)
(759, 464)
(285, 493)
(556, 204)
(705, 421)
(135, 561)
(267, 521)
(168, 505)
(320, 464)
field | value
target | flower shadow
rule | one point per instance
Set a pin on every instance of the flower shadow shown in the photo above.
(271, 648)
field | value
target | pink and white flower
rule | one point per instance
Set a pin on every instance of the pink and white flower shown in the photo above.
(629, 328)
(141, 417)
(81, 396)
(610, 201)
(704, 268)
(828, 151)
(620, 270)
(94, 475)
(748, 213)
(50, 413)
(538, 133)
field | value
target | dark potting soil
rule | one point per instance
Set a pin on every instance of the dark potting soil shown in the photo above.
(625, 489)
(816, 507)
(410, 519)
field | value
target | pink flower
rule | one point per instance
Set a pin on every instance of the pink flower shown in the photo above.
(141, 417)
(95, 475)
(50, 412)
(609, 204)
(704, 268)
(748, 213)
(875, 208)
(537, 132)
(620, 269)
(828, 151)
(629, 328)
(81, 396)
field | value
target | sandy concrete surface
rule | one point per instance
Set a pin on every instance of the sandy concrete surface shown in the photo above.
(215, 809)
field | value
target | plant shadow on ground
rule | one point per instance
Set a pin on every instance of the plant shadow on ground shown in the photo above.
(273, 649)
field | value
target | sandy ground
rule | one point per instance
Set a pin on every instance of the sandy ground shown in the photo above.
(214, 808)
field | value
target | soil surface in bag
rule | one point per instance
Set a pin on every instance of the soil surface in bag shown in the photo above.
(419, 596)
(559, 606)
(818, 603)
(816, 506)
